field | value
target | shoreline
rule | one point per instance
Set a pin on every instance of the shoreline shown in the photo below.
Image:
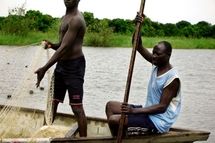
(114, 40)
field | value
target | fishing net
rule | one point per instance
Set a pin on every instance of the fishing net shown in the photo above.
(19, 114)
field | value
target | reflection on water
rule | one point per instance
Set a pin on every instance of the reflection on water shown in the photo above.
(106, 75)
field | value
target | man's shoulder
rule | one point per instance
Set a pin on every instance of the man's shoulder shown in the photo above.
(77, 18)
(174, 71)
(62, 17)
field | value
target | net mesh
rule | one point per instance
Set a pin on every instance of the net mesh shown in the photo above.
(18, 90)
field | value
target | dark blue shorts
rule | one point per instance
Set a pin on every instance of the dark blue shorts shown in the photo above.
(141, 120)
(69, 76)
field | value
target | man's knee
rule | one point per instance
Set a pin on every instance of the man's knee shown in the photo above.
(109, 105)
(114, 120)
(77, 110)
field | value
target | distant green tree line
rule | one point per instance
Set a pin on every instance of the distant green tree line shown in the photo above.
(19, 22)
(151, 29)
(23, 23)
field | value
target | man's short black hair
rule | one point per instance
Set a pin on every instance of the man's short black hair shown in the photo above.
(168, 46)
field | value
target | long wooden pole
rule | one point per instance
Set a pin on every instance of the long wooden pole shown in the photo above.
(130, 72)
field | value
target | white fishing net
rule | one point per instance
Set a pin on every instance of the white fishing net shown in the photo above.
(19, 117)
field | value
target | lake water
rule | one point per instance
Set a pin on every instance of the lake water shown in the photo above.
(105, 79)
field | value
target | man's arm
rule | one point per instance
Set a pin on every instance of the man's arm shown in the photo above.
(141, 49)
(67, 41)
(51, 45)
(145, 53)
(168, 94)
(55, 46)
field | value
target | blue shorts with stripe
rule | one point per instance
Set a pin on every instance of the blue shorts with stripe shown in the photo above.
(141, 120)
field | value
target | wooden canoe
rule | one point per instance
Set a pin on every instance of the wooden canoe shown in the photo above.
(29, 125)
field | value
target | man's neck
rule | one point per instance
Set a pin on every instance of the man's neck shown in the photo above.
(164, 68)
(71, 10)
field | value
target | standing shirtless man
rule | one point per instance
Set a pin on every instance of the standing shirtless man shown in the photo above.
(70, 68)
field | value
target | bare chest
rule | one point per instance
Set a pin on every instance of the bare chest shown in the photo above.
(64, 25)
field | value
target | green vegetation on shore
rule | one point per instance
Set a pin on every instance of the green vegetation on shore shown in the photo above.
(115, 40)
(22, 28)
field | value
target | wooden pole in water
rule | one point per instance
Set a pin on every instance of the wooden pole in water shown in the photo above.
(131, 67)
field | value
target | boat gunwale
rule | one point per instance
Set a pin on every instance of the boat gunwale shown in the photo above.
(174, 131)
(171, 134)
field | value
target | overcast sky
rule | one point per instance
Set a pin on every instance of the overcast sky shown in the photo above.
(163, 11)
